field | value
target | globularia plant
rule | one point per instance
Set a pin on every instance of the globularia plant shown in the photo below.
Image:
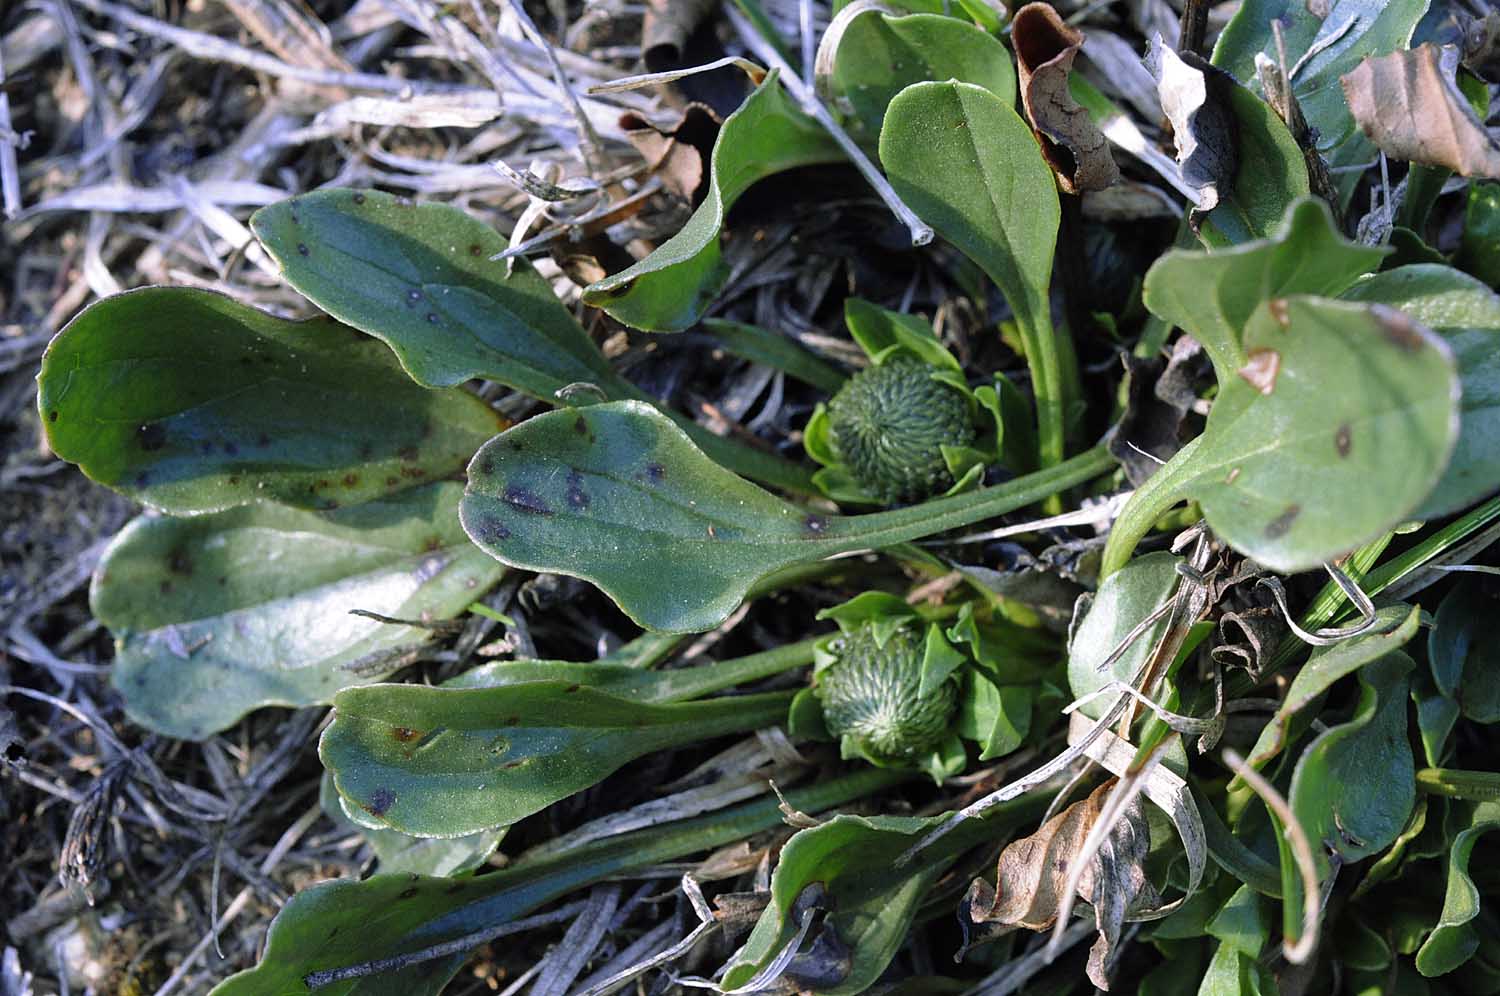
(299, 470)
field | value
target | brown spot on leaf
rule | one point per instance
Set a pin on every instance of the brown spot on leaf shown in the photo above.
(52, 415)
(475, 249)
(405, 735)
(350, 480)
(581, 425)
(1343, 440)
(1281, 312)
(487, 466)
(1261, 368)
(1282, 524)
(1399, 329)
(391, 482)
(408, 893)
(407, 453)
(527, 501)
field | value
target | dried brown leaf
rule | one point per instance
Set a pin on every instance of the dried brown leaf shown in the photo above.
(1033, 872)
(1409, 105)
(1075, 148)
(1193, 98)
(1481, 41)
(678, 151)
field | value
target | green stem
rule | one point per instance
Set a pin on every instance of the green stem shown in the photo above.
(1150, 502)
(882, 529)
(1054, 382)
(695, 682)
(1476, 786)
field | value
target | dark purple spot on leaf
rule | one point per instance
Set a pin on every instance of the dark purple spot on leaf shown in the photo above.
(152, 436)
(1343, 440)
(381, 801)
(475, 249)
(231, 449)
(359, 198)
(577, 497)
(526, 501)
(407, 453)
(1282, 524)
(581, 425)
(571, 689)
(408, 893)
(432, 318)
(655, 473)
(178, 562)
(263, 440)
(52, 415)
(350, 480)
(815, 524)
(302, 249)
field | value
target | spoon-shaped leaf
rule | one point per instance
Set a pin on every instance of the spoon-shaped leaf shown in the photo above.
(192, 402)
(880, 54)
(1354, 786)
(1271, 174)
(399, 852)
(1338, 426)
(1211, 295)
(1466, 314)
(670, 289)
(216, 615)
(337, 924)
(1456, 937)
(618, 495)
(419, 277)
(971, 168)
(444, 762)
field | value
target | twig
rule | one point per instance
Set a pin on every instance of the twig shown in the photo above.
(921, 233)
(588, 139)
(1300, 950)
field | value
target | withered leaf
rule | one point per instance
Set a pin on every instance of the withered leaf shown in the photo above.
(1033, 872)
(1409, 105)
(1193, 96)
(1075, 148)
(677, 151)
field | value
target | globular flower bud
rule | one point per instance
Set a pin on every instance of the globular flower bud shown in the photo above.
(889, 424)
(870, 695)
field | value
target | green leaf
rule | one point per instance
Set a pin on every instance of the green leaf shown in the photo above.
(880, 55)
(1241, 922)
(1271, 175)
(1338, 427)
(880, 331)
(1234, 974)
(971, 168)
(670, 289)
(1463, 649)
(996, 717)
(1354, 787)
(399, 852)
(419, 277)
(1479, 250)
(1124, 599)
(444, 762)
(618, 495)
(336, 924)
(1466, 314)
(1395, 626)
(849, 866)
(1211, 295)
(216, 615)
(192, 402)
(1456, 937)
